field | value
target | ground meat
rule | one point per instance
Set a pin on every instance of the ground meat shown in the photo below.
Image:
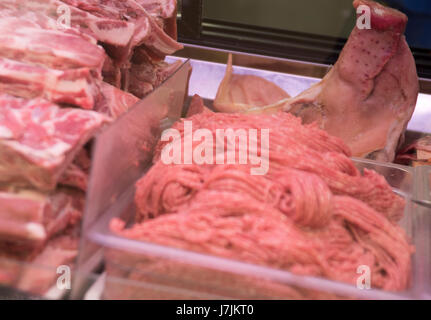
(291, 145)
(313, 214)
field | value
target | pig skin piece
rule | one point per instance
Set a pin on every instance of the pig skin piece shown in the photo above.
(239, 93)
(370, 94)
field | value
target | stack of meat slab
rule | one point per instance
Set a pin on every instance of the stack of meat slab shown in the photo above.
(67, 68)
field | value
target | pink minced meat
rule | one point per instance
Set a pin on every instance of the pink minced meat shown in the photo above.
(313, 214)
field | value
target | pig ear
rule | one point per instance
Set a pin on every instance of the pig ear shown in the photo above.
(240, 93)
(222, 102)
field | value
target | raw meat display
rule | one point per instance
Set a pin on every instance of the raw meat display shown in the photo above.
(65, 73)
(262, 180)
(313, 213)
(165, 13)
(149, 39)
(366, 99)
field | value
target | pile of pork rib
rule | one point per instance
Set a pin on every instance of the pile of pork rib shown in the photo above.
(67, 68)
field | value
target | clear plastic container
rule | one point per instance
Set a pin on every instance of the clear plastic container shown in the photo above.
(141, 270)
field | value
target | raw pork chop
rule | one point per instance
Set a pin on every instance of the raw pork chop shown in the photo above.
(111, 31)
(147, 31)
(73, 86)
(32, 217)
(41, 274)
(138, 66)
(37, 272)
(25, 39)
(370, 94)
(38, 140)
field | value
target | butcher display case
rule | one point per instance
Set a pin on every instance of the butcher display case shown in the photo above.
(292, 44)
(142, 270)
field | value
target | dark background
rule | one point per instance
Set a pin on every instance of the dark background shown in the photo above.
(310, 30)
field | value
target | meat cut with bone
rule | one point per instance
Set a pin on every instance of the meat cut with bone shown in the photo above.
(32, 216)
(73, 86)
(160, 8)
(50, 48)
(165, 12)
(33, 273)
(154, 37)
(111, 31)
(38, 140)
(47, 66)
(147, 31)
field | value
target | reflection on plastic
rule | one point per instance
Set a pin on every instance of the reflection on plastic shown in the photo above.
(123, 152)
